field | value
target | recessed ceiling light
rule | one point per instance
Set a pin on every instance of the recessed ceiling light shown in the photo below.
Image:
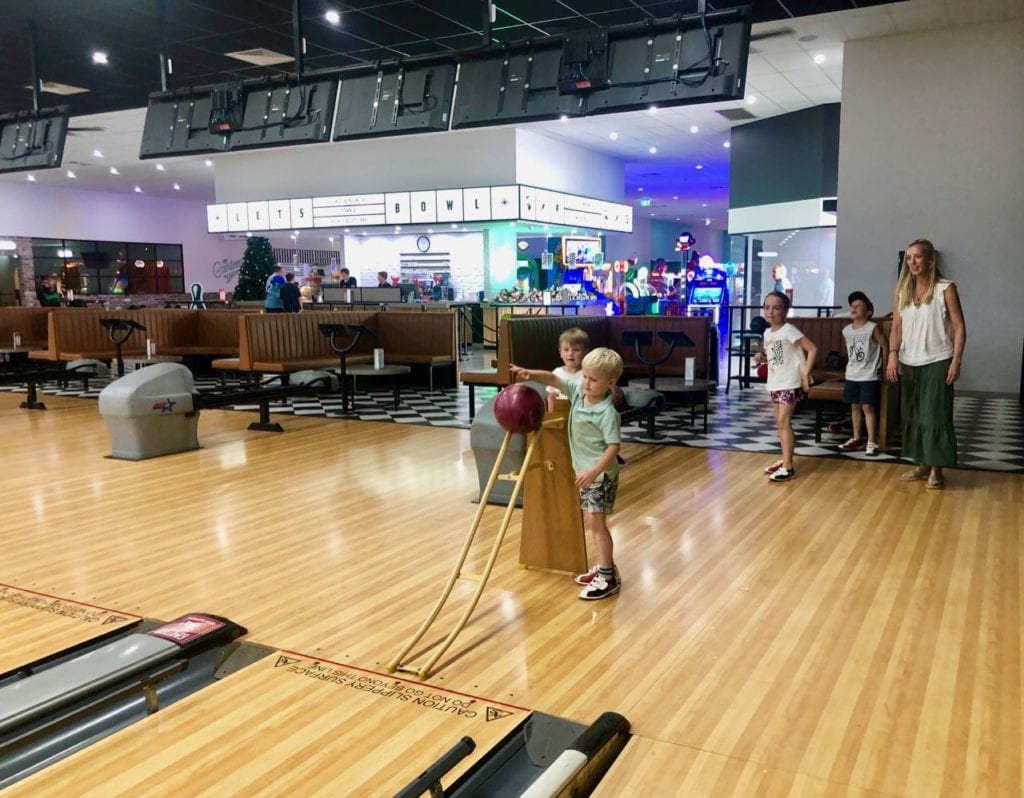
(707, 222)
(564, 118)
(99, 57)
(30, 178)
(652, 214)
(726, 144)
(333, 17)
(819, 58)
(208, 162)
(296, 232)
(652, 150)
(699, 166)
(751, 99)
(676, 196)
(138, 190)
(363, 233)
(679, 218)
(248, 235)
(703, 205)
(613, 135)
(639, 188)
(97, 154)
(177, 187)
(159, 167)
(71, 174)
(454, 226)
(653, 109)
(113, 170)
(429, 230)
(694, 129)
(346, 229)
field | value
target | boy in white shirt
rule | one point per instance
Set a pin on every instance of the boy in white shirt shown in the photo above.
(790, 358)
(573, 345)
(865, 348)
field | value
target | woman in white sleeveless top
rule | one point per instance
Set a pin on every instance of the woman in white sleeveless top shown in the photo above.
(925, 348)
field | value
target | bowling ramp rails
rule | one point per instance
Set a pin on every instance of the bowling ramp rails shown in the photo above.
(59, 703)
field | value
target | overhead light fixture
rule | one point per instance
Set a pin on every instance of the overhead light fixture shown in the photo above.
(160, 167)
(208, 162)
(639, 188)
(99, 57)
(138, 190)
(613, 135)
(113, 170)
(71, 174)
(177, 187)
(30, 178)
(454, 226)
(694, 129)
(652, 150)
(699, 166)
(726, 144)
(751, 99)
(707, 222)
(248, 235)
(346, 229)
(97, 154)
(564, 118)
(653, 109)
(333, 17)
(64, 253)
(7, 246)
(819, 58)
(675, 196)
(767, 254)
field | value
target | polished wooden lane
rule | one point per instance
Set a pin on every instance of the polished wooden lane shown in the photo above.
(846, 627)
(288, 725)
(35, 625)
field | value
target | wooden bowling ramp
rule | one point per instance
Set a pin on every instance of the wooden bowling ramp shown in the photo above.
(290, 724)
(36, 625)
(552, 531)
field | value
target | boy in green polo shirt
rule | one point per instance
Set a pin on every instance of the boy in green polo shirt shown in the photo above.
(594, 443)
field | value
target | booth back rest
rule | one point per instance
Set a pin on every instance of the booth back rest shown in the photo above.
(167, 326)
(827, 335)
(697, 328)
(218, 328)
(532, 341)
(278, 337)
(78, 330)
(417, 334)
(29, 323)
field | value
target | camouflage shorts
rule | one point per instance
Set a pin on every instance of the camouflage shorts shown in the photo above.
(599, 495)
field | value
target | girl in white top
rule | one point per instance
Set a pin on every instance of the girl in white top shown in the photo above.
(790, 357)
(925, 349)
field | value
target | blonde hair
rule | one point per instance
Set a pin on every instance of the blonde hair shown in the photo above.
(907, 285)
(606, 362)
(574, 336)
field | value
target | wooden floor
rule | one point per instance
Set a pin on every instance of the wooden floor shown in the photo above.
(842, 634)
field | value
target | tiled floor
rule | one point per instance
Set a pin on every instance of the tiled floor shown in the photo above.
(990, 430)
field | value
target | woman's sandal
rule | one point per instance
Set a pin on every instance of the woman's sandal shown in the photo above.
(914, 475)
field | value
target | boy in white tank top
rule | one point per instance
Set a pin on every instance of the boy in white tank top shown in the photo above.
(865, 345)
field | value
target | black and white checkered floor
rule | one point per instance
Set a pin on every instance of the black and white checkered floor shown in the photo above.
(990, 430)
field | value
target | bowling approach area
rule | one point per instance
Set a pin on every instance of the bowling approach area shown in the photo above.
(847, 634)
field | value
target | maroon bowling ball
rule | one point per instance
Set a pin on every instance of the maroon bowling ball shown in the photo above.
(519, 409)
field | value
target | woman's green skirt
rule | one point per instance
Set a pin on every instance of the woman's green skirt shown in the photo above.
(926, 414)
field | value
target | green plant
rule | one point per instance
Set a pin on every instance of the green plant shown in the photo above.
(258, 263)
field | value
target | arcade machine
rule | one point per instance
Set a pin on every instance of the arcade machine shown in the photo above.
(707, 286)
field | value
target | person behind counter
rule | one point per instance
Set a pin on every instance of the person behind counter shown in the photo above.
(382, 280)
(347, 280)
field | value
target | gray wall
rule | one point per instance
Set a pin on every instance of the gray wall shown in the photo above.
(931, 147)
(784, 158)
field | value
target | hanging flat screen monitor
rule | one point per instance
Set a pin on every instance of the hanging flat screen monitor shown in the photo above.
(396, 99)
(33, 139)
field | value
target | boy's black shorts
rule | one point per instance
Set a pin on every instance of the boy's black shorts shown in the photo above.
(862, 393)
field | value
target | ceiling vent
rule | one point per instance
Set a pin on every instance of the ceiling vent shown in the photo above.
(63, 89)
(260, 56)
(736, 114)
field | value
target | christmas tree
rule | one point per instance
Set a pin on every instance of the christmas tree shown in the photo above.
(258, 263)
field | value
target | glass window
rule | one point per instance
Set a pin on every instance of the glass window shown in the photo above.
(801, 261)
(168, 251)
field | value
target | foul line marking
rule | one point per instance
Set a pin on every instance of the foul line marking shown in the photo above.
(403, 679)
(70, 600)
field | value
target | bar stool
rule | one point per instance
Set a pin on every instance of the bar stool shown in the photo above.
(755, 332)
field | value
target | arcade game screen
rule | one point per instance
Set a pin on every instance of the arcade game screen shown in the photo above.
(706, 295)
